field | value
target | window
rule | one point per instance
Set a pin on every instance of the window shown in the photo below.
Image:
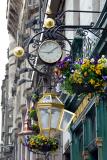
(10, 129)
(9, 139)
(32, 2)
(10, 115)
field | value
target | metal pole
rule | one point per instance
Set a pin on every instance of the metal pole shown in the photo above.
(81, 11)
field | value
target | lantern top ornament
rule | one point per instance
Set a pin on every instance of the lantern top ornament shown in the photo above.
(50, 99)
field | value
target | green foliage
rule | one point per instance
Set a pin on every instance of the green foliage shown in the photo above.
(83, 76)
(43, 143)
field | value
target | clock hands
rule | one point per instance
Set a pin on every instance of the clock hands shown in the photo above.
(50, 50)
(53, 49)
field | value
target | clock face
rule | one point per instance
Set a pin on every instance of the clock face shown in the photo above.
(50, 51)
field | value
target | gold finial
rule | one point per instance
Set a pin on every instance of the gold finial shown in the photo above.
(18, 51)
(49, 23)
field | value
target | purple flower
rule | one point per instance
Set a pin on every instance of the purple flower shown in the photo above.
(60, 64)
(75, 62)
(104, 77)
(67, 59)
(80, 61)
(33, 107)
(96, 59)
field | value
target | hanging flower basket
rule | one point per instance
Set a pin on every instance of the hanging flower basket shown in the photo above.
(84, 88)
(43, 143)
(83, 76)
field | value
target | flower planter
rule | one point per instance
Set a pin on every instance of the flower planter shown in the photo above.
(45, 148)
(42, 143)
(78, 89)
(87, 75)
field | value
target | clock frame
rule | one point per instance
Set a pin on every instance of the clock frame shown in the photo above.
(50, 52)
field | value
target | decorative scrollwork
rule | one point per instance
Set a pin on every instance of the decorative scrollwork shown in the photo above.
(57, 33)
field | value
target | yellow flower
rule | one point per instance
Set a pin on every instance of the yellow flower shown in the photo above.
(99, 61)
(86, 62)
(85, 65)
(76, 76)
(92, 81)
(92, 67)
(102, 59)
(97, 84)
(82, 66)
(80, 80)
(99, 66)
(98, 72)
(85, 74)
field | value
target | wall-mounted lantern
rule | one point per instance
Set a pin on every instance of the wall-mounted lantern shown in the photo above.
(52, 115)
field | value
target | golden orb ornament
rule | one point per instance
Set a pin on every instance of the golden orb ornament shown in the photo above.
(49, 23)
(18, 51)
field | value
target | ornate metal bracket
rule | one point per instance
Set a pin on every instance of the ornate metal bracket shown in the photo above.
(56, 33)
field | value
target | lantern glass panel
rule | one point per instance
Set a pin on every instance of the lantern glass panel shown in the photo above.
(44, 117)
(47, 99)
(67, 117)
(56, 100)
(55, 115)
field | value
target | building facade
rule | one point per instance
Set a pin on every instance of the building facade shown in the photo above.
(86, 138)
(7, 121)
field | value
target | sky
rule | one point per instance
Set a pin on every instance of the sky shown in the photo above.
(4, 42)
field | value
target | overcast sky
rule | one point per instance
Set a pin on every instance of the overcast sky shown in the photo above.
(3, 45)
